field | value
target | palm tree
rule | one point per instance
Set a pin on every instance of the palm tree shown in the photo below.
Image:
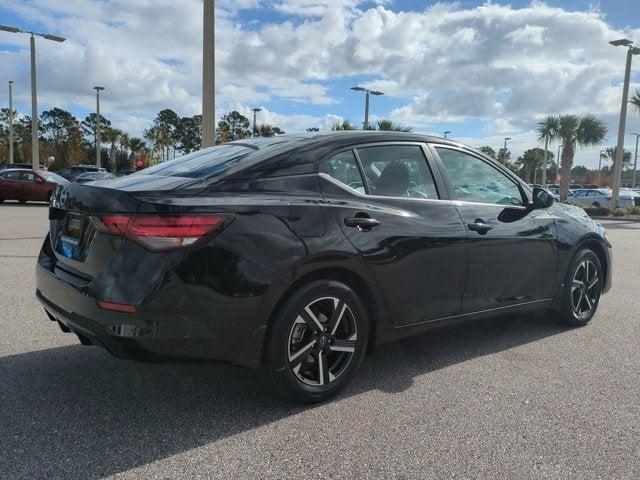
(344, 125)
(112, 135)
(136, 144)
(635, 101)
(124, 143)
(626, 156)
(574, 132)
(387, 125)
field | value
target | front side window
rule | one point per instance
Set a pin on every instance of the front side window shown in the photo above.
(475, 180)
(29, 177)
(397, 171)
(344, 168)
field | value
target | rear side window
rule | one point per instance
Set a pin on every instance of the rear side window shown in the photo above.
(397, 171)
(344, 168)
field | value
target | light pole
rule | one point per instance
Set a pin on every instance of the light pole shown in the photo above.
(617, 164)
(97, 89)
(603, 154)
(635, 162)
(504, 150)
(11, 121)
(446, 133)
(254, 110)
(35, 154)
(208, 74)
(365, 124)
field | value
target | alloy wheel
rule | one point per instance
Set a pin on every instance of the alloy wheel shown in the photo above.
(585, 289)
(322, 341)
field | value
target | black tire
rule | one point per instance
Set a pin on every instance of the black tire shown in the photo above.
(596, 204)
(297, 349)
(580, 300)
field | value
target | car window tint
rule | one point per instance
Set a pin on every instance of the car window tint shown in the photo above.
(12, 175)
(28, 176)
(397, 171)
(344, 168)
(475, 180)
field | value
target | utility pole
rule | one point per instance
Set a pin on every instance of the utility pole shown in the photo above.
(97, 89)
(635, 163)
(35, 147)
(544, 161)
(208, 75)
(11, 122)
(558, 163)
(35, 150)
(617, 164)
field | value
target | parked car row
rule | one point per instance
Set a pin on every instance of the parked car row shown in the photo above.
(5, 166)
(26, 185)
(22, 183)
(601, 197)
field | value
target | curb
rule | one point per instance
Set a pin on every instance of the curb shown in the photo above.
(618, 219)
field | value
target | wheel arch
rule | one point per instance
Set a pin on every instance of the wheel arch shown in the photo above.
(354, 280)
(596, 246)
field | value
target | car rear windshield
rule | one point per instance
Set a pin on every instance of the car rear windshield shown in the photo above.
(218, 160)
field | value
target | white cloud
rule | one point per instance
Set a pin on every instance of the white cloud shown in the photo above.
(500, 66)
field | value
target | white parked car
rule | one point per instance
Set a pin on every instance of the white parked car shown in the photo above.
(600, 197)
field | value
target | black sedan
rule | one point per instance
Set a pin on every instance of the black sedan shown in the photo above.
(297, 255)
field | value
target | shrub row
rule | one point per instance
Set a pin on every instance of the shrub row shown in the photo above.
(612, 212)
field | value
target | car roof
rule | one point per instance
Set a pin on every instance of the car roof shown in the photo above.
(348, 136)
(19, 170)
(298, 151)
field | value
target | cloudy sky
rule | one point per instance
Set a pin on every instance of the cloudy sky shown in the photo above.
(483, 70)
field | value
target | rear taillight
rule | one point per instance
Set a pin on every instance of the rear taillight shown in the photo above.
(162, 232)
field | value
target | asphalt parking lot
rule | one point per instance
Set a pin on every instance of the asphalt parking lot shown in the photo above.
(513, 397)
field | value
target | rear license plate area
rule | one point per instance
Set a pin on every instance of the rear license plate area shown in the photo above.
(76, 235)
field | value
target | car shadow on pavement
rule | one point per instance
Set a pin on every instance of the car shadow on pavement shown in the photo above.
(76, 412)
(25, 205)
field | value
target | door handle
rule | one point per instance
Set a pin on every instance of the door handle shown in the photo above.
(479, 226)
(361, 223)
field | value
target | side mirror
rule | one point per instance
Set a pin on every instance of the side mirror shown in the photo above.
(542, 198)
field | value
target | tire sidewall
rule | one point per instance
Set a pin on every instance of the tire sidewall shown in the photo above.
(567, 312)
(276, 362)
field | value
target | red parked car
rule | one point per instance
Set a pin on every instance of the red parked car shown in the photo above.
(28, 185)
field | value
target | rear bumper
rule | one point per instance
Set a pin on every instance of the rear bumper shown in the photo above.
(123, 335)
(177, 323)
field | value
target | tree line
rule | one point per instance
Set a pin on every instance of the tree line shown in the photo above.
(71, 141)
